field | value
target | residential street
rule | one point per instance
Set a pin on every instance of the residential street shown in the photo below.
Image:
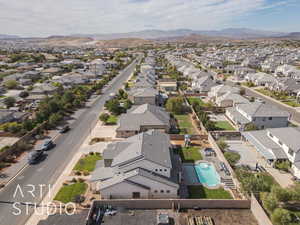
(47, 171)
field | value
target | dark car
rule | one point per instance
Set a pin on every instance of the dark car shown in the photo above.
(35, 156)
(47, 145)
(64, 129)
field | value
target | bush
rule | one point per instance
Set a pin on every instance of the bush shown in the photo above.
(104, 117)
(176, 105)
(284, 165)
(11, 84)
(281, 217)
(222, 144)
(232, 157)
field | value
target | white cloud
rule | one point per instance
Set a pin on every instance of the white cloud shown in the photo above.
(50, 17)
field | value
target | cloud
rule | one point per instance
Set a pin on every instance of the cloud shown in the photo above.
(50, 17)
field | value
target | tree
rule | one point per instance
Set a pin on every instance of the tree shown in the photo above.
(11, 84)
(28, 125)
(281, 217)
(127, 104)
(176, 105)
(24, 94)
(232, 157)
(252, 99)
(9, 102)
(222, 144)
(269, 202)
(54, 119)
(113, 106)
(242, 91)
(104, 117)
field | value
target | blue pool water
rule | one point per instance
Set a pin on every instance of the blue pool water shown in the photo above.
(207, 174)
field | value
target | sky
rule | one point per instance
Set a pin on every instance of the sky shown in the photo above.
(42, 18)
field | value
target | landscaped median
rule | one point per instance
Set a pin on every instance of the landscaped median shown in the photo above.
(69, 192)
(88, 162)
(199, 191)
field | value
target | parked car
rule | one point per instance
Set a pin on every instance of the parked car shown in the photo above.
(35, 156)
(64, 129)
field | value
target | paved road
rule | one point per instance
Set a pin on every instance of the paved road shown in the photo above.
(48, 171)
(294, 113)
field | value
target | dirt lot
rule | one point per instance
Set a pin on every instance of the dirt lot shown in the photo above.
(222, 217)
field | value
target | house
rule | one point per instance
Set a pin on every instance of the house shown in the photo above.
(203, 84)
(137, 167)
(259, 114)
(277, 144)
(230, 99)
(43, 88)
(167, 85)
(222, 89)
(6, 116)
(140, 96)
(260, 79)
(142, 118)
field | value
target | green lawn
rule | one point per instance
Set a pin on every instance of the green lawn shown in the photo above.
(283, 98)
(185, 124)
(112, 120)
(224, 125)
(199, 191)
(193, 100)
(292, 103)
(190, 154)
(87, 163)
(69, 192)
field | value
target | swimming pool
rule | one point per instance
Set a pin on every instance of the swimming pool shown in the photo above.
(207, 174)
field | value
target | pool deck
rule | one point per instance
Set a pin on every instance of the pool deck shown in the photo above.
(190, 177)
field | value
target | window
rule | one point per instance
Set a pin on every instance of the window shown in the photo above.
(270, 118)
(156, 170)
(168, 191)
(166, 170)
(155, 191)
(160, 170)
(162, 191)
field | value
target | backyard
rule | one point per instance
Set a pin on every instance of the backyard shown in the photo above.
(69, 192)
(190, 154)
(224, 125)
(87, 163)
(185, 124)
(198, 191)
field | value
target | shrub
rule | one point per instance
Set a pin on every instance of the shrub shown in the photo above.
(104, 117)
(284, 165)
(78, 173)
(222, 144)
(281, 217)
(232, 157)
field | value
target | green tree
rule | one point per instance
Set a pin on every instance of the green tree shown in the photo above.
(281, 217)
(114, 107)
(54, 119)
(232, 157)
(104, 117)
(176, 105)
(11, 84)
(9, 102)
(242, 91)
(222, 144)
(127, 104)
(269, 201)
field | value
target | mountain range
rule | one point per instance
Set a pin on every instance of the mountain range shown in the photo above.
(232, 33)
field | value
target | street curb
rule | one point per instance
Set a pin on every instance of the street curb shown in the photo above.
(14, 177)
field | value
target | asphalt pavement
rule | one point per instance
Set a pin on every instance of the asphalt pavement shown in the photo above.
(48, 171)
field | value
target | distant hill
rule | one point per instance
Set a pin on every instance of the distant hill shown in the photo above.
(123, 43)
(236, 33)
(6, 36)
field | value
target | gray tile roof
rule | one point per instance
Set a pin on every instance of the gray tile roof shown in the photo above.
(290, 136)
(144, 115)
(257, 109)
(143, 92)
